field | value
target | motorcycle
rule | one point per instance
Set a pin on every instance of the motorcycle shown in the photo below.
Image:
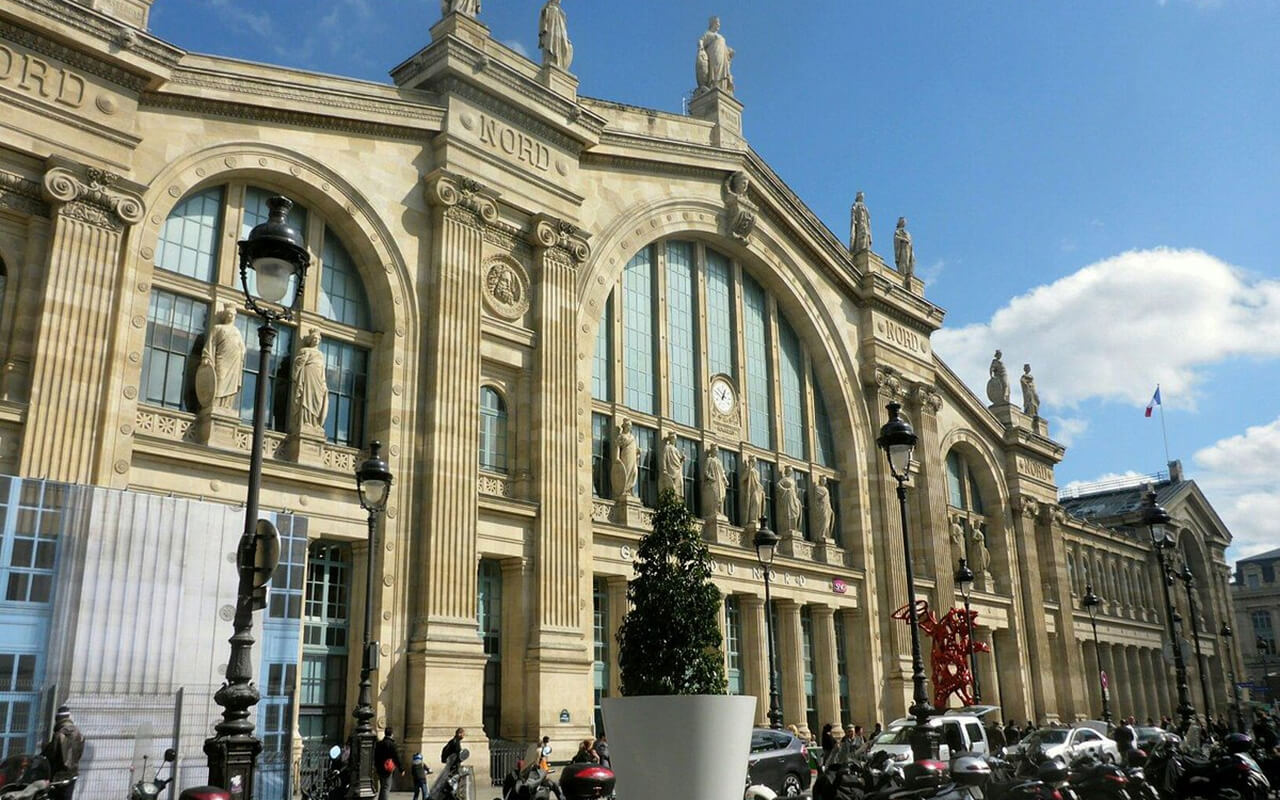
(536, 784)
(448, 785)
(587, 781)
(1229, 773)
(333, 783)
(1139, 787)
(150, 789)
(1092, 778)
(29, 778)
(1005, 784)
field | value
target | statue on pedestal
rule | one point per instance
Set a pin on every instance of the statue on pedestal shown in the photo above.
(467, 8)
(859, 227)
(752, 493)
(553, 36)
(904, 254)
(789, 503)
(671, 476)
(981, 555)
(714, 56)
(221, 367)
(310, 386)
(1030, 397)
(998, 385)
(624, 469)
(957, 539)
(714, 483)
(826, 516)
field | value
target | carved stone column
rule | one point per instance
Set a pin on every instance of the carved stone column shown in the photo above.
(617, 587)
(824, 662)
(790, 663)
(755, 654)
(557, 655)
(1072, 701)
(1044, 699)
(446, 661)
(75, 366)
(929, 524)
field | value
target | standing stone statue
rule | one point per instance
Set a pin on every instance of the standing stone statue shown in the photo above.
(671, 476)
(714, 483)
(957, 539)
(1030, 397)
(624, 469)
(826, 516)
(553, 36)
(789, 503)
(221, 367)
(467, 8)
(981, 555)
(904, 255)
(714, 56)
(752, 493)
(310, 386)
(859, 227)
(998, 384)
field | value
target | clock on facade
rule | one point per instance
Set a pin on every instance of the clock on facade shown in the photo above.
(723, 396)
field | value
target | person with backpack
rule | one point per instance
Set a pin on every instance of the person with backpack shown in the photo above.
(63, 751)
(386, 762)
(453, 746)
(419, 770)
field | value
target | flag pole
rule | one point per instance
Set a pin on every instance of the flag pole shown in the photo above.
(1164, 432)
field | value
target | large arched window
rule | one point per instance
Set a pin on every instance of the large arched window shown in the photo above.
(691, 343)
(493, 430)
(197, 269)
(962, 486)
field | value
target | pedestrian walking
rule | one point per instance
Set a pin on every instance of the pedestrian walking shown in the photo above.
(63, 751)
(386, 761)
(544, 754)
(419, 770)
(828, 741)
(454, 746)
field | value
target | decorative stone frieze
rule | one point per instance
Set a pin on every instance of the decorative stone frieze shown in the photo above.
(22, 194)
(506, 287)
(91, 197)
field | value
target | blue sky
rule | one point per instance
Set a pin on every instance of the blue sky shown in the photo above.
(1091, 186)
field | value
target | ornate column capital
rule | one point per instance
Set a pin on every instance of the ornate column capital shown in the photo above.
(1025, 506)
(739, 212)
(888, 383)
(1054, 514)
(92, 195)
(462, 198)
(925, 397)
(554, 234)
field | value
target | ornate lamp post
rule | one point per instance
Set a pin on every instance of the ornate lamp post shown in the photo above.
(766, 543)
(1091, 603)
(273, 256)
(1187, 580)
(1156, 518)
(964, 579)
(1227, 637)
(898, 440)
(1265, 648)
(373, 483)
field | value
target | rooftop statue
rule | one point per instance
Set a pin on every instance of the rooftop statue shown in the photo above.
(859, 227)
(1030, 397)
(714, 56)
(998, 385)
(468, 8)
(904, 254)
(553, 36)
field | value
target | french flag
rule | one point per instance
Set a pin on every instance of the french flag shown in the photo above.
(1155, 401)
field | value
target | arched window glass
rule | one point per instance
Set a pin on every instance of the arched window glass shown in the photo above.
(755, 328)
(720, 327)
(791, 380)
(342, 297)
(638, 333)
(189, 239)
(955, 489)
(681, 339)
(602, 370)
(493, 430)
(962, 484)
(824, 444)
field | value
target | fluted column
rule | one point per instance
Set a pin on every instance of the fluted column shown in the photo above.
(929, 511)
(824, 663)
(617, 589)
(75, 350)
(1069, 669)
(1044, 699)
(790, 662)
(1113, 688)
(755, 654)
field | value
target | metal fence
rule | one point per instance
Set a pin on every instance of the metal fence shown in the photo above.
(503, 755)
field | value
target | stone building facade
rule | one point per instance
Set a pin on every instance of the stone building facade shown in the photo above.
(502, 273)
(1256, 598)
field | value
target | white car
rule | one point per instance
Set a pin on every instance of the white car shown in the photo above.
(1065, 744)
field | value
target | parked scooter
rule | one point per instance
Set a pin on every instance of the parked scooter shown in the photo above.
(536, 784)
(1228, 772)
(33, 782)
(448, 785)
(150, 789)
(1006, 785)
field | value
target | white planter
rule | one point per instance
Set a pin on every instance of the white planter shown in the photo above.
(690, 747)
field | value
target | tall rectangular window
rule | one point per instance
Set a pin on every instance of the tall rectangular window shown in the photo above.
(346, 371)
(955, 473)
(842, 671)
(765, 471)
(19, 696)
(1262, 630)
(733, 644)
(326, 608)
(600, 636)
(493, 430)
(175, 333)
(720, 329)
(791, 384)
(29, 547)
(601, 428)
(755, 333)
(730, 461)
(806, 655)
(647, 455)
(692, 469)
(489, 625)
(682, 342)
(822, 439)
(802, 489)
(278, 379)
(638, 334)
(188, 242)
(602, 365)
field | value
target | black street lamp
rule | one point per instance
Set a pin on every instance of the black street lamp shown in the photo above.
(1091, 603)
(271, 259)
(373, 483)
(1265, 647)
(1187, 580)
(964, 579)
(1227, 636)
(766, 543)
(898, 440)
(1156, 518)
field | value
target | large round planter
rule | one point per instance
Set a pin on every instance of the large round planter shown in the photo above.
(691, 747)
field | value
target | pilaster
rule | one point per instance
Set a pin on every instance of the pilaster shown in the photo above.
(790, 663)
(1044, 698)
(75, 362)
(824, 662)
(617, 588)
(755, 654)
(929, 520)
(1071, 697)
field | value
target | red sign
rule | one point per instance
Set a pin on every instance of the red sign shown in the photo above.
(838, 586)
(1106, 683)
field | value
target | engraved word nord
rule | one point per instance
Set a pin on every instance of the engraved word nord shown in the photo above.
(901, 336)
(36, 76)
(514, 144)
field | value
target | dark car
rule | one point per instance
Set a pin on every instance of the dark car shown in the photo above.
(778, 760)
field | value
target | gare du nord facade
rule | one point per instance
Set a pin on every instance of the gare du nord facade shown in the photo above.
(502, 273)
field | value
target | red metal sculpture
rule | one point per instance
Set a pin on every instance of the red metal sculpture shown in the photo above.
(951, 649)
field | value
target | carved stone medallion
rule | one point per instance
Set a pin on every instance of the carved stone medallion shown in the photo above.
(506, 288)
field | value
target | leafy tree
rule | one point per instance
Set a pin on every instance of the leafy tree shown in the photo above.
(669, 642)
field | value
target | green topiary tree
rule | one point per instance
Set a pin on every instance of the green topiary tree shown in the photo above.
(669, 642)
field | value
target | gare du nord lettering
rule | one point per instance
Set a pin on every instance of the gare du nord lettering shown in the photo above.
(519, 146)
(36, 76)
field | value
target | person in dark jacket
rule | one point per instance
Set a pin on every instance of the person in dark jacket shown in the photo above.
(828, 741)
(64, 749)
(586, 753)
(602, 752)
(511, 783)
(453, 746)
(419, 770)
(386, 762)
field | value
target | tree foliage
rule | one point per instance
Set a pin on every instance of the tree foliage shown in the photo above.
(669, 642)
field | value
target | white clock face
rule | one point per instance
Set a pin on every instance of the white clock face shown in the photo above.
(722, 395)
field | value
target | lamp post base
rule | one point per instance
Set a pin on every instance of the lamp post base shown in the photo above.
(231, 763)
(364, 781)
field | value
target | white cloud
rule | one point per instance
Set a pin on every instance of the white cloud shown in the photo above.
(241, 18)
(1066, 429)
(1116, 328)
(1240, 480)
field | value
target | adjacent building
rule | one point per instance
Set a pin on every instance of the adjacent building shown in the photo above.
(507, 279)
(1255, 595)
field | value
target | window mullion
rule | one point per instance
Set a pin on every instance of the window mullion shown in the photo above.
(771, 347)
(662, 404)
(227, 257)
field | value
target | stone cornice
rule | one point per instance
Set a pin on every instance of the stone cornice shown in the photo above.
(92, 195)
(78, 59)
(22, 194)
(125, 43)
(243, 112)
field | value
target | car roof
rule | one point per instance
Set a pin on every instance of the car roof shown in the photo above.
(978, 711)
